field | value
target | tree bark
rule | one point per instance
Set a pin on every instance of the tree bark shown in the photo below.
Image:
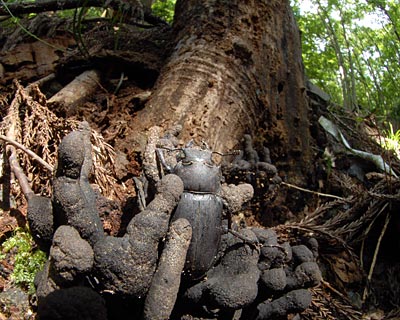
(235, 68)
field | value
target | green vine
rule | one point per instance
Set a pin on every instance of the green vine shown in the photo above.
(16, 21)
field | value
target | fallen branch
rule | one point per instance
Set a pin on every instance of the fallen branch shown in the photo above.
(77, 90)
(19, 174)
(20, 8)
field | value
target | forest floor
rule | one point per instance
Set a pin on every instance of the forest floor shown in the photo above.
(353, 212)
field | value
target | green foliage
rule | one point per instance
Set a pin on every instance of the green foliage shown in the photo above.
(27, 259)
(351, 49)
(164, 9)
(392, 140)
(90, 12)
(15, 21)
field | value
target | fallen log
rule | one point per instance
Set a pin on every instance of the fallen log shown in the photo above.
(77, 91)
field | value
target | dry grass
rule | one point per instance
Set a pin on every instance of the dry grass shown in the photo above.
(348, 230)
(29, 122)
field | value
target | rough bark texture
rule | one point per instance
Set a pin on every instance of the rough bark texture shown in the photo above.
(235, 68)
(77, 91)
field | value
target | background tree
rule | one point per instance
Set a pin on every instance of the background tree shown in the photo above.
(351, 50)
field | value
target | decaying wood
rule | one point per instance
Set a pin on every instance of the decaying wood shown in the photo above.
(77, 91)
(28, 60)
(235, 66)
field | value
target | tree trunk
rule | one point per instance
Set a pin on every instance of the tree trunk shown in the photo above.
(236, 68)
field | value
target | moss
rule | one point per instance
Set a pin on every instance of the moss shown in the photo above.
(27, 259)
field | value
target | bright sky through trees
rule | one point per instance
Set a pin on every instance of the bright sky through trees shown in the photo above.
(370, 19)
(351, 49)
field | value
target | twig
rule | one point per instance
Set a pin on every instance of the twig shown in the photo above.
(27, 151)
(6, 178)
(385, 196)
(20, 175)
(311, 191)
(4, 9)
(378, 244)
(365, 233)
(18, 8)
(341, 295)
(41, 81)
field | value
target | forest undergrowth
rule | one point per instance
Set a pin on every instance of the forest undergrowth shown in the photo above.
(350, 207)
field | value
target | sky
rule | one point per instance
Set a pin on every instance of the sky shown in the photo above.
(371, 20)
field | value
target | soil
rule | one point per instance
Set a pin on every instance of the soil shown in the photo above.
(358, 248)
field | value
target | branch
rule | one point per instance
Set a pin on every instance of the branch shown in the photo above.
(6, 182)
(27, 151)
(372, 267)
(313, 192)
(19, 8)
(19, 174)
